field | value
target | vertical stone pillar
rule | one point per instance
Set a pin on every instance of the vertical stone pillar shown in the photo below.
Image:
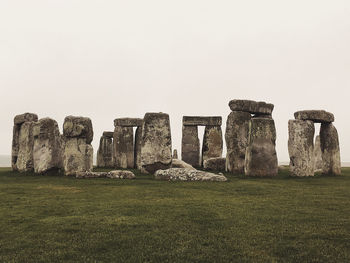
(318, 155)
(137, 150)
(301, 147)
(123, 140)
(261, 157)
(212, 143)
(330, 149)
(190, 147)
(156, 142)
(25, 160)
(236, 136)
(105, 151)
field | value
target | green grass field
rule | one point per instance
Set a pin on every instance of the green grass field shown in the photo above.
(53, 218)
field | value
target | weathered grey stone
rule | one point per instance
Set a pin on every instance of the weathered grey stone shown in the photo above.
(201, 121)
(185, 174)
(176, 163)
(123, 140)
(236, 136)
(121, 174)
(78, 127)
(128, 122)
(301, 147)
(261, 157)
(318, 155)
(320, 116)
(190, 149)
(83, 175)
(215, 164)
(137, 150)
(330, 149)
(253, 107)
(212, 143)
(156, 142)
(20, 119)
(175, 154)
(105, 151)
(108, 134)
(77, 156)
(25, 161)
(47, 153)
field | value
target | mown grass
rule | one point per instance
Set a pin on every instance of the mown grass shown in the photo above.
(53, 218)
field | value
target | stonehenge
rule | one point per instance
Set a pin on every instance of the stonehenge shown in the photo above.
(301, 144)
(126, 153)
(250, 139)
(212, 139)
(105, 151)
(77, 152)
(156, 148)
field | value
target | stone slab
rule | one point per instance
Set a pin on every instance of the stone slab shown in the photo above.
(253, 107)
(108, 134)
(128, 122)
(202, 120)
(319, 116)
(19, 119)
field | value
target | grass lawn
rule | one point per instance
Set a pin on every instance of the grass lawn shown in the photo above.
(53, 218)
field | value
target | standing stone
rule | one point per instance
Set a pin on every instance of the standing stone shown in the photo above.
(156, 142)
(261, 157)
(105, 150)
(137, 151)
(18, 121)
(301, 147)
(25, 160)
(212, 143)
(47, 153)
(78, 152)
(236, 136)
(175, 154)
(318, 155)
(123, 140)
(330, 149)
(190, 149)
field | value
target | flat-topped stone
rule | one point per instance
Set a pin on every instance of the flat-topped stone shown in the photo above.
(19, 119)
(201, 121)
(253, 107)
(320, 116)
(108, 134)
(128, 122)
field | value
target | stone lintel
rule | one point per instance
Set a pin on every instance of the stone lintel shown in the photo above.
(128, 122)
(202, 121)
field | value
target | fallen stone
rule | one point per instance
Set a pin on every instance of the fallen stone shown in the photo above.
(25, 160)
(105, 152)
(83, 175)
(319, 116)
(190, 147)
(47, 151)
(212, 143)
(236, 136)
(123, 140)
(121, 174)
(128, 122)
(301, 147)
(185, 174)
(22, 118)
(78, 127)
(215, 164)
(318, 155)
(330, 149)
(176, 163)
(253, 107)
(201, 121)
(261, 157)
(156, 150)
(175, 154)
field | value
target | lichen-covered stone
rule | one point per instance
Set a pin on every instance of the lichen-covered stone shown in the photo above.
(123, 141)
(117, 174)
(320, 116)
(190, 149)
(128, 122)
(202, 120)
(212, 143)
(330, 149)
(156, 152)
(185, 174)
(47, 151)
(253, 107)
(215, 164)
(78, 127)
(137, 149)
(25, 160)
(261, 157)
(105, 151)
(318, 155)
(236, 136)
(22, 118)
(301, 147)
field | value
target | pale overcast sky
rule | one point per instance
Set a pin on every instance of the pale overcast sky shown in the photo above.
(110, 59)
